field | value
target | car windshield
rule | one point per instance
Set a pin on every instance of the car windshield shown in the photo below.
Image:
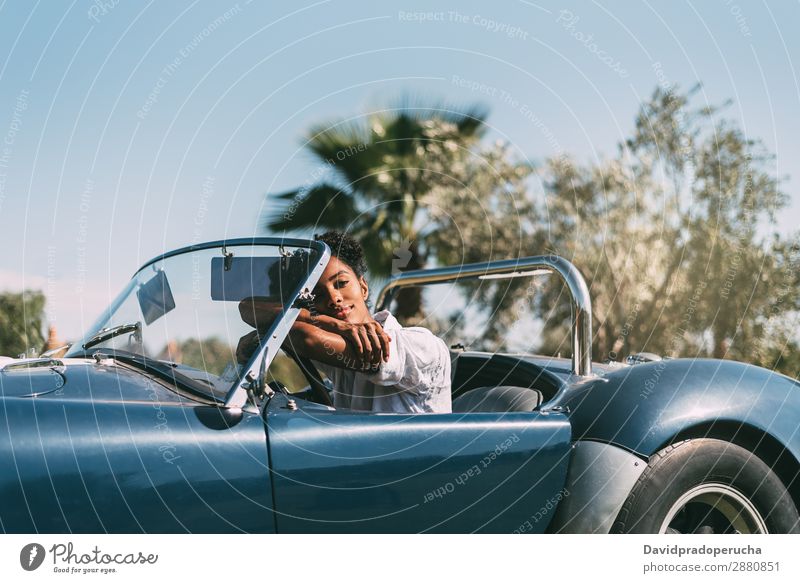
(179, 316)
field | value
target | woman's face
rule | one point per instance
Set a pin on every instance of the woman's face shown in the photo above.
(342, 295)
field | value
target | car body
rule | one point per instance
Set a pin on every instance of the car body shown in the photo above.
(123, 434)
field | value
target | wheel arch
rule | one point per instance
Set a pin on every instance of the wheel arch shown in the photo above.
(646, 407)
(761, 443)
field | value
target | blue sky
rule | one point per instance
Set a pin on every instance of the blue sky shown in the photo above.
(130, 128)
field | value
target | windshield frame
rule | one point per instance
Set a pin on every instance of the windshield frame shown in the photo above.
(276, 334)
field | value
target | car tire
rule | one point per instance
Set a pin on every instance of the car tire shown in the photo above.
(707, 486)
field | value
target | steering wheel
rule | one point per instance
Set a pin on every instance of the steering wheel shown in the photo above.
(319, 389)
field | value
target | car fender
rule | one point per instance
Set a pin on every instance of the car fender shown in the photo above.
(622, 417)
(644, 407)
(599, 479)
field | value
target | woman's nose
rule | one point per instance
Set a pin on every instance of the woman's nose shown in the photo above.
(334, 297)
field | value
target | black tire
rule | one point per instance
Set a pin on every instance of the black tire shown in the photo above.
(707, 486)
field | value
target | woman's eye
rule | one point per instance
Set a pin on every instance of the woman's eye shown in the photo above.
(340, 284)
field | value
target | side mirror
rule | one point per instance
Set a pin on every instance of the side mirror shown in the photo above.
(155, 297)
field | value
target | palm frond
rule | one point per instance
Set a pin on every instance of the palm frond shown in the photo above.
(377, 250)
(349, 148)
(322, 205)
(470, 119)
(328, 140)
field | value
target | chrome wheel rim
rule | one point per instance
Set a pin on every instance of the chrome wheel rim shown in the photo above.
(727, 508)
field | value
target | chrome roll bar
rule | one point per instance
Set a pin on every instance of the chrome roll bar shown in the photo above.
(524, 267)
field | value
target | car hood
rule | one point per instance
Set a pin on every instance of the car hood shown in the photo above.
(76, 379)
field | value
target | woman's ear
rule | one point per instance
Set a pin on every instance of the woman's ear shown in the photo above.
(364, 287)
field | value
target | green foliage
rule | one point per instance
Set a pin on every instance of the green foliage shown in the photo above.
(414, 187)
(21, 322)
(373, 175)
(673, 233)
(669, 235)
(211, 354)
(286, 371)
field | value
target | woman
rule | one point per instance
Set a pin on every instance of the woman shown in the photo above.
(375, 363)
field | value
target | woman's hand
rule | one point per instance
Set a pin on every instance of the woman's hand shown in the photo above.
(247, 345)
(369, 339)
(359, 347)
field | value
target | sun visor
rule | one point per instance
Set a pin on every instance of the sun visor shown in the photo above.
(237, 278)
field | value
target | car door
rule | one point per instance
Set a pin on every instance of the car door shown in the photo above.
(346, 471)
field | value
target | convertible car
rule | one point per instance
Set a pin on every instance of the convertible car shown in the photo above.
(158, 421)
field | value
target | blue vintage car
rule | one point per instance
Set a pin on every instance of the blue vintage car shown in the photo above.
(157, 421)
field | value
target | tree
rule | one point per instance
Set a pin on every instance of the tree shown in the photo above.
(373, 176)
(210, 354)
(672, 233)
(21, 322)
(669, 235)
(484, 211)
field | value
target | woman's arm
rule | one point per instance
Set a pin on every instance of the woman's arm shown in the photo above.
(311, 341)
(369, 339)
(360, 346)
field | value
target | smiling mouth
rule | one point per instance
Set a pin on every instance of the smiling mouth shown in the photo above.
(341, 313)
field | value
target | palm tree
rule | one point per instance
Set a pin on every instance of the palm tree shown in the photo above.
(378, 169)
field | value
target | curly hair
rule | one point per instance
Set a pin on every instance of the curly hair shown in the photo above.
(346, 249)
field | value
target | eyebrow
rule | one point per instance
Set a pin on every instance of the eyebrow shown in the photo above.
(337, 274)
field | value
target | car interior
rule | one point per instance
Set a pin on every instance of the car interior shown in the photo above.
(481, 383)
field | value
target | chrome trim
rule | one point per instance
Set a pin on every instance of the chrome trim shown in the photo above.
(737, 509)
(272, 241)
(581, 301)
(46, 362)
(237, 396)
(642, 357)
